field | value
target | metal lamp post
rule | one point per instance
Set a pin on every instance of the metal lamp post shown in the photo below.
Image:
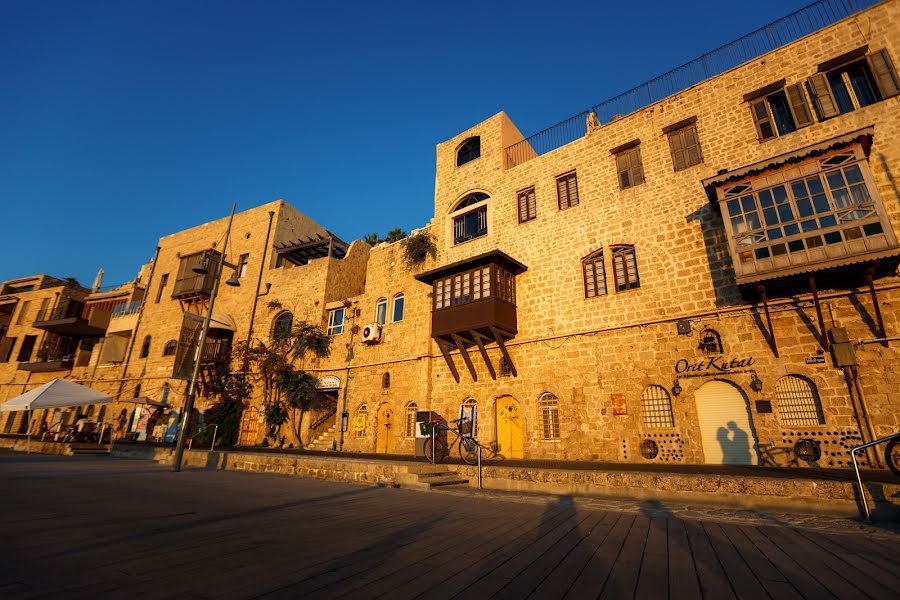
(192, 388)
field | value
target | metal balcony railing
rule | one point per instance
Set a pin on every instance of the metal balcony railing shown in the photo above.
(128, 308)
(770, 37)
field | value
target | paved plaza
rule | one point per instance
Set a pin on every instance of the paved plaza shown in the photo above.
(99, 527)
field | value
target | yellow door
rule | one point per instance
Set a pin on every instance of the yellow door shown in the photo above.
(384, 439)
(510, 443)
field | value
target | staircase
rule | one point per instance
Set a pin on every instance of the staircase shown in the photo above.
(324, 442)
(428, 477)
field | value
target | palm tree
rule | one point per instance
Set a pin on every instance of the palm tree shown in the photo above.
(371, 238)
(395, 235)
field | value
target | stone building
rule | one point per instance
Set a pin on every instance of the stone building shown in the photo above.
(702, 275)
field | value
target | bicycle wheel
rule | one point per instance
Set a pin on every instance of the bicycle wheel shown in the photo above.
(892, 456)
(440, 450)
(468, 451)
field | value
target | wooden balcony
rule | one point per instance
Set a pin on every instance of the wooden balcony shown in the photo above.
(480, 315)
(72, 319)
(193, 286)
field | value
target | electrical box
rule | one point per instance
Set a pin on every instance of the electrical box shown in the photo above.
(684, 327)
(842, 352)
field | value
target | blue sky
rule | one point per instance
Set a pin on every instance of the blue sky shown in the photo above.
(124, 121)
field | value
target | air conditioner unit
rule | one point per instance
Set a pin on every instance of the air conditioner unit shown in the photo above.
(371, 333)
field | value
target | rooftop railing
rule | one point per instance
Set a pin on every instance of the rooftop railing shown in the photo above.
(770, 37)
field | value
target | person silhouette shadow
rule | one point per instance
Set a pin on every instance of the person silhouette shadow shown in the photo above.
(735, 444)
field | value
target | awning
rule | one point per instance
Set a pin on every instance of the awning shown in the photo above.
(58, 393)
(222, 321)
(864, 136)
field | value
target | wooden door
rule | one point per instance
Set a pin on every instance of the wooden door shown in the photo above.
(725, 426)
(384, 437)
(510, 441)
(249, 425)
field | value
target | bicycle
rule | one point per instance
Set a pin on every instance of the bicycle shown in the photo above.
(468, 446)
(892, 454)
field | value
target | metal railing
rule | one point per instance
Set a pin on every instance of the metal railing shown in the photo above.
(127, 308)
(853, 452)
(770, 37)
(66, 310)
(212, 446)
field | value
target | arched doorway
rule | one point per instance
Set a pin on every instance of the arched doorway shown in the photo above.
(384, 437)
(510, 441)
(725, 426)
(249, 424)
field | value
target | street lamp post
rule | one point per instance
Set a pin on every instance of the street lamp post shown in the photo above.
(192, 388)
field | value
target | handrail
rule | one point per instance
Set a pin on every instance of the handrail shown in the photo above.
(853, 451)
(321, 420)
(802, 22)
(199, 431)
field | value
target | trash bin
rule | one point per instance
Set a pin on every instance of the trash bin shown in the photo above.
(424, 419)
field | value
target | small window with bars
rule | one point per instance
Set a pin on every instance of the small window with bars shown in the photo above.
(594, 275)
(656, 408)
(360, 421)
(625, 268)
(548, 416)
(798, 402)
(409, 425)
(527, 205)
(567, 190)
(469, 404)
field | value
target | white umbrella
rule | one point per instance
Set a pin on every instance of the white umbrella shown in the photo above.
(58, 393)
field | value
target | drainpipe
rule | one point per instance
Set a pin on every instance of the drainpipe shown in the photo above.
(262, 268)
(137, 324)
(349, 359)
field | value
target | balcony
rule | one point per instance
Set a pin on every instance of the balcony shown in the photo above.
(474, 305)
(48, 365)
(193, 286)
(124, 317)
(216, 351)
(71, 319)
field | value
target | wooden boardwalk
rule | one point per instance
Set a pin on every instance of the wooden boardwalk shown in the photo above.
(103, 527)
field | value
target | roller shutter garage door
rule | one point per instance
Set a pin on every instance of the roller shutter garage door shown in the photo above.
(725, 426)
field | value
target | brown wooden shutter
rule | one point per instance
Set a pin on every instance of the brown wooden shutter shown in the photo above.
(532, 204)
(6, 347)
(823, 96)
(622, 169)
(523, 207)
(676, 147)
(799, 107)
(637, 167)
(561, 193)
(885, 75)
(764, 128)
(573, 190)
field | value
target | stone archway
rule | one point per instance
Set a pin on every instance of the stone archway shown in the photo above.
(726, 426)
(510, 435)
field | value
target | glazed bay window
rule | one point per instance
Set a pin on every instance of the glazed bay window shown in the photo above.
(335, 321)
(781, 112)
(470, 224)
(826, 211)
(473, 285)
(854, 84)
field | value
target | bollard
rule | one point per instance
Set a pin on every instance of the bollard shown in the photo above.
(479, 467)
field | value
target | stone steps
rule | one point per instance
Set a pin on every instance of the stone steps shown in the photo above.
(89, 449)
(324, 442)
(429, 477)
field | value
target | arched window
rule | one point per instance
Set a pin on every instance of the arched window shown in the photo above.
(145, 347)
(381, 311)
(625, 271)
(386, 380)
(656, 407)
(594, 274)
(468, 151)
(471, 224)
(711, 342)
(281, 327)
(798, 402)
(471, 403)
(169, 348)
(360, 421)
(548, 416)
(397, 312)
(409, 429)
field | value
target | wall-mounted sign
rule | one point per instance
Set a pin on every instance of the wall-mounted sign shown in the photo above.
(713, 365)
(815, 361)
(618, 404)
(329, 382)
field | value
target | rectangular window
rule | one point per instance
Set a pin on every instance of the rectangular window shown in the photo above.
(335, 321)
(399, 302)
(470, 225)
(242, 265)
(567, 190)
(781, 113)
(594, 275)
(684, 144)
(6, 348)
(381, 311)
(22, 311)
(25, 351)
(527, 205)
(43, 311)
(854, 85)
(162, 286)
(630, 168)
(625, 268)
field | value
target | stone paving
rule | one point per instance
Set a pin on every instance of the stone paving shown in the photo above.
(102, 527)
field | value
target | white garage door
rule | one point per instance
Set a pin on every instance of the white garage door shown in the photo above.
(724, 412)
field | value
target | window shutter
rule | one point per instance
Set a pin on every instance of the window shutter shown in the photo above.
(523, 207)
(823, 96)
(885, 75)
(637, 167)
(561, 192)
(532, 204)
(676, 147)
(799, 107)
(458, 227)
(573, 190)
(622, 168)
(764, 129)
